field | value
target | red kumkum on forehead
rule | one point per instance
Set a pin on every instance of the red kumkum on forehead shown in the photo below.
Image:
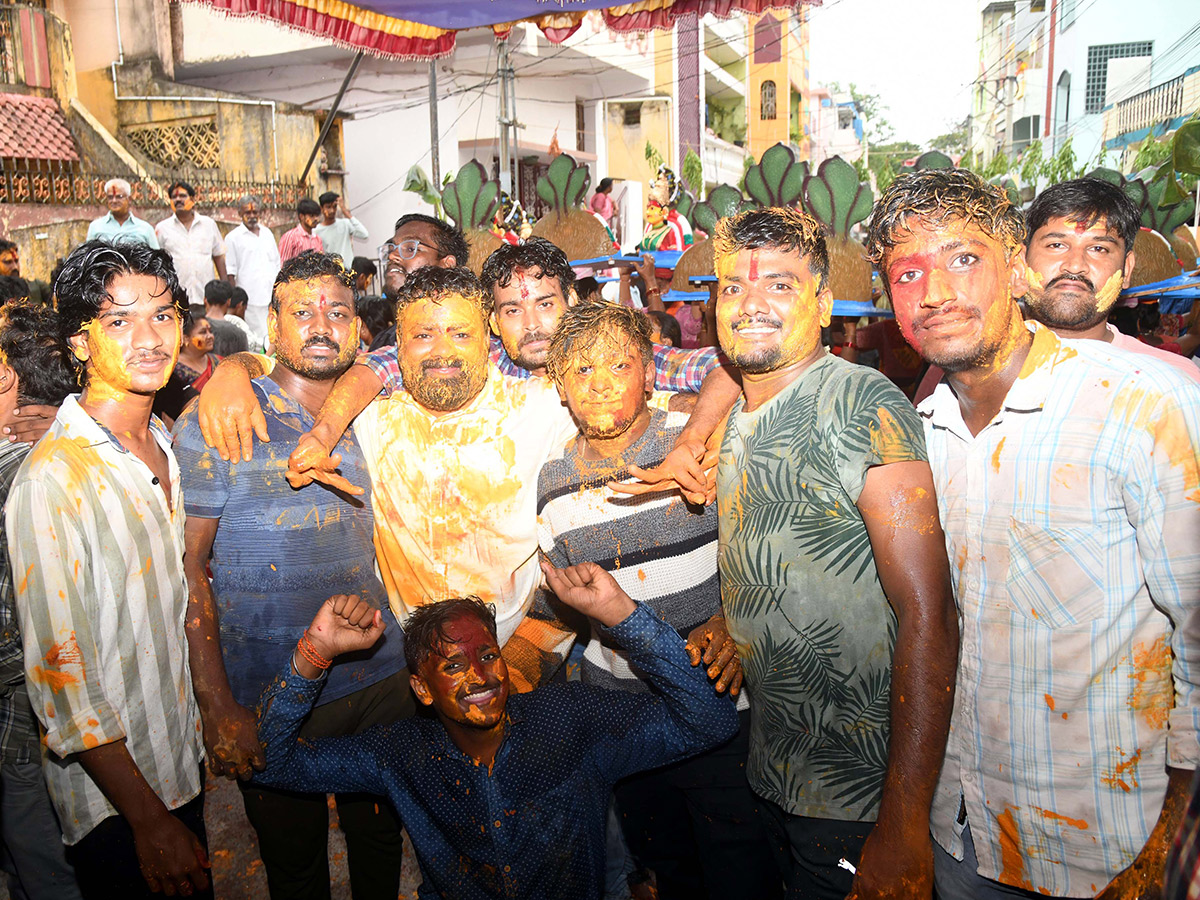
(754, 265)
(524, 287)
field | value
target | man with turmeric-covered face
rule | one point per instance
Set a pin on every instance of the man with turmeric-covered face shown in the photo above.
(834, 578)
(276, 555)
(95, 534)
(1067, 479)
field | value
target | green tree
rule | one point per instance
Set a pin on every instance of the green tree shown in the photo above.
(953, 142)
(1031, 163)
(871, 107)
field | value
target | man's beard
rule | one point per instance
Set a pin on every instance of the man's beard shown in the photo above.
(760, 359)
(528, 362)
(444, 394)
(1065, 311)
(316, 369)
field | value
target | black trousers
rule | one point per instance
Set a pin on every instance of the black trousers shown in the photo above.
(106, 863)
(807, 851)
(695, 823)
(293, 828)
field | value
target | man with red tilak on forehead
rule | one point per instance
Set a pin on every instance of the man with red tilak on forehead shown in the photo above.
(1069, 490)
(834, 578)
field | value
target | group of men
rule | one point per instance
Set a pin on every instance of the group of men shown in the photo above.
(962, 637)
(247, 257)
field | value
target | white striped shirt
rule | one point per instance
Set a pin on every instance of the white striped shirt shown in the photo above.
(97, 559)
(1073, 527)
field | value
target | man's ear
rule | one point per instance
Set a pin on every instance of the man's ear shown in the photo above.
(825, 306)
(572, 297)
(421, 690)
(450, 261)
(1130, 262)
(79, 347)
(1017, 277)
(494, 323)
(650, 373)
(272, 326)
(8, 378)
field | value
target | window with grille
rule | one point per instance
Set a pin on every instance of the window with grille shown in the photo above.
(1097, 69)
(767, 108)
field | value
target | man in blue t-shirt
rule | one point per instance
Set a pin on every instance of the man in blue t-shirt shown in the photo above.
(277, 555)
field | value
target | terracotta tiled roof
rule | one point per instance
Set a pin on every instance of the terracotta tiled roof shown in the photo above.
(34, 128)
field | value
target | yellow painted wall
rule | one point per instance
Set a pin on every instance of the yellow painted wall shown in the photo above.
(627, 143)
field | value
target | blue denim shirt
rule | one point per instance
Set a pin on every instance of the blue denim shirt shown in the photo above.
(280, 553)
(534, 826)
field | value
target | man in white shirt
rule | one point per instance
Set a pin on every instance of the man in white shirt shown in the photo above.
(252, 260)
(193, 242)
(335, 233)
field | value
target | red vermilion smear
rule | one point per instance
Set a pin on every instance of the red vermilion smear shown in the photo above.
(754, 265)
(524, 289)
(322, 301)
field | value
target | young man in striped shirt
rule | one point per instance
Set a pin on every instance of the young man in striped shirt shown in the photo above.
(95, 533)
(692, 823)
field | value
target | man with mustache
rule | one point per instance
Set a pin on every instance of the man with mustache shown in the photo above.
(95, 535)
(1080, 256)
(277, 555)
(834, 578)
(193, 242)
(503, 794)
(1068, 481)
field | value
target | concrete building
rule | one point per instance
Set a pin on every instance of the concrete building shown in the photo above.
(836, 127)
(1093, 72)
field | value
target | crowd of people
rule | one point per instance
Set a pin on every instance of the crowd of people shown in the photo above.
(589, 615)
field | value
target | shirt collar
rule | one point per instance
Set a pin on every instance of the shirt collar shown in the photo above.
(1027, 394)
(283, 404)
(78, 426)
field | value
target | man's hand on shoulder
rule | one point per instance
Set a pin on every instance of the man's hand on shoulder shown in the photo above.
(29, 423)
(590, 590)
(229, 412)
(689, 468)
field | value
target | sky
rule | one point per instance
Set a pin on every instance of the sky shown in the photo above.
(920, 56)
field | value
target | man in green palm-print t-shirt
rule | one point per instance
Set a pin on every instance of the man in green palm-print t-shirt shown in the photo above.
(834, 577)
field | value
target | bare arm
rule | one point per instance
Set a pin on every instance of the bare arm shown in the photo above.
(650, 290)
(901, 516)
(230, 730)
(219, 262)
(171, 857)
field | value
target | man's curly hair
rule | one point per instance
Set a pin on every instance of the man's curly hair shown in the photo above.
(434, 283)
(425, 630)
(937, 196)
(536, 255)
(587, 324)
(777, 228)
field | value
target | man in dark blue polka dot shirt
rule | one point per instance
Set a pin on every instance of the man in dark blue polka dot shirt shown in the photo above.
(502, 796)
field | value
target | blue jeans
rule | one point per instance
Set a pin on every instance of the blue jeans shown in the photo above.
(33, 843)
(955, 880)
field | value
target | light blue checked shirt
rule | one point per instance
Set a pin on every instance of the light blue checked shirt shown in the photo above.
(1073, 527)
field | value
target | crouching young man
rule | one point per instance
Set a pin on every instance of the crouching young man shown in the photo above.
(502, 796)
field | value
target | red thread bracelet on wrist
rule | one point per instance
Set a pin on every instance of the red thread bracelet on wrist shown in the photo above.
(309, 652)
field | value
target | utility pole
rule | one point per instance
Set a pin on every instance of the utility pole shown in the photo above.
(507, 115)
(434, 160)
(1009, 82)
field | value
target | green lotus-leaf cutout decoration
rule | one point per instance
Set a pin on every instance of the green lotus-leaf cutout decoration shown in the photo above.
(1009, 184)
(777, 179)
(835, 197)
(685, 204)
(1184, 160)
(723, 201)
(1112, 176)
(471, 198)
(933, 159)
(1150, 195)
(565, 184)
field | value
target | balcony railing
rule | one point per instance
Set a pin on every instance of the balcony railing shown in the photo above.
(1165, 101)
(61, 185)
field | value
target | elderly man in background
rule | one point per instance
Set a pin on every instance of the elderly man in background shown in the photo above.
(121, 224)
(252, 260)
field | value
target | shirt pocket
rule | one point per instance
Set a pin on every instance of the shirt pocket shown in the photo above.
(1053, 577)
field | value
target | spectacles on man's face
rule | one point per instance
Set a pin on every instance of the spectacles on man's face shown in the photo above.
(406, 249)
